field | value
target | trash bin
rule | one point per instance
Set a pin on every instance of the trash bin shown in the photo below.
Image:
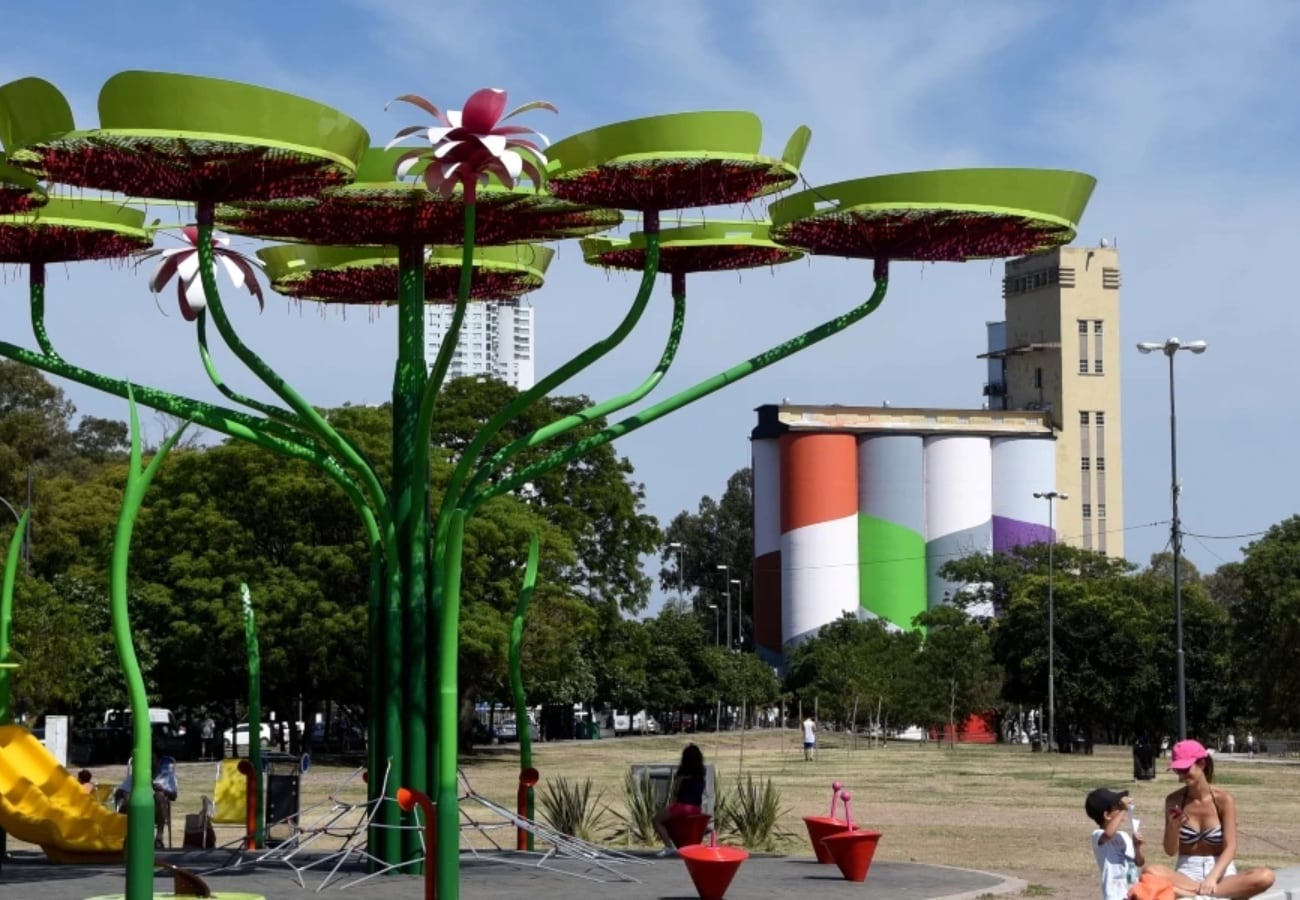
(1144, 760)
(283, 794)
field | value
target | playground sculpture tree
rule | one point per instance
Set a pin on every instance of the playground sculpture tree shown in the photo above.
(445, 223)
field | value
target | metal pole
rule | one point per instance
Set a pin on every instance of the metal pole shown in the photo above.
(1051, 626)
(1176, 539)
(728, 610)
(681, 594)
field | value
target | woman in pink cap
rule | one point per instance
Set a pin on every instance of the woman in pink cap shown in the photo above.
(1201, 830)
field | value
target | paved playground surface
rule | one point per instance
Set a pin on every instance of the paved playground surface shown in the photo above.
(30, 877)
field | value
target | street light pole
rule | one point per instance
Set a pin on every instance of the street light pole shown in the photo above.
(739, 628)
(1051, 497)
(723, 567)
(1169, 348)
(677, 545)
(717, 637)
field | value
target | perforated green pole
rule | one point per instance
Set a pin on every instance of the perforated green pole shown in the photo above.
(7, 617)
(254, 711)
(523, 726)
(140, 803)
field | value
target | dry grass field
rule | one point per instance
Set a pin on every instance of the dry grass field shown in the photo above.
(988, 807)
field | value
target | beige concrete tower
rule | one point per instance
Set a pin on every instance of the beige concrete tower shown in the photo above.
(1059, 351)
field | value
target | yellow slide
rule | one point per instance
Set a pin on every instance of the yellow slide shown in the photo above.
(42, 803)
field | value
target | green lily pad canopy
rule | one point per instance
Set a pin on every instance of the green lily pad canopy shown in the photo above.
(697, 247)
(182, 137)
(670, 162)
(369, 275)
(18, 190)
(378, 209)
(947, 215)
(67, 230)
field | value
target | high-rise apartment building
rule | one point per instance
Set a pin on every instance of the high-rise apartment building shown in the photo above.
(1058, 351)
(496, 339)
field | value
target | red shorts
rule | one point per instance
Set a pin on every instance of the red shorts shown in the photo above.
(676, 810)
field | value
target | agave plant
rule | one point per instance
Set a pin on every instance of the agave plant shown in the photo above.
(637, 824)
(751, 813)
(570, 808)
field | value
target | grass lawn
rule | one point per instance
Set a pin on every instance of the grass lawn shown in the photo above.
(998, 808)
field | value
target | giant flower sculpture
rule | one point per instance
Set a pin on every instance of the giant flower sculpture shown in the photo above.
(184, 261)
(472, 144)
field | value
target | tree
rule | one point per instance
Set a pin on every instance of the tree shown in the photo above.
(1267, 624)
(721, 532)
(955, 671)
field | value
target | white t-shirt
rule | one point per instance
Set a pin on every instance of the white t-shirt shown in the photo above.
(1118, 864)
(809, 731)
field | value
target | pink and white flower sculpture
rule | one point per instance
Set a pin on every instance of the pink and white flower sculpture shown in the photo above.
(471, 144)
(184, 261)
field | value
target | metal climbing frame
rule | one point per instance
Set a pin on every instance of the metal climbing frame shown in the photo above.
(589, 861)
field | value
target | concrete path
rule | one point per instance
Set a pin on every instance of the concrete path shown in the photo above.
(29, 877)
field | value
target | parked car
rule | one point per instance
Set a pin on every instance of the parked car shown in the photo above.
(240, 738)
(679, 722)
(639, 722)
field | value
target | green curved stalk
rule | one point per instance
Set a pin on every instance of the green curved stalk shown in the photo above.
(140, 804)
(311, 418)
(36, 292)
(614, 404)
(254, 708)
(693, 393)
(412, 383)
(583, 360)
(390, 655)
(7, 613)
(522, 725)
(266, 409)
(448, 808)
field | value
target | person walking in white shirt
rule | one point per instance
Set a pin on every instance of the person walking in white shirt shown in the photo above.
(809, 739)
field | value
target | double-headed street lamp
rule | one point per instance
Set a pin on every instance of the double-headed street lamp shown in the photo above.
(681, 549)
(723, 567)
(739, 626)
(1051, 497)
(1169, 348)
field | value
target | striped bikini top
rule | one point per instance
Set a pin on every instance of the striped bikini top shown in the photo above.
(1189, 835)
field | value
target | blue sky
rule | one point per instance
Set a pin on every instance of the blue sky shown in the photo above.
(1185, 111)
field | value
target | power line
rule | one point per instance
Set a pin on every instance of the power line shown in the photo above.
(1226, 537)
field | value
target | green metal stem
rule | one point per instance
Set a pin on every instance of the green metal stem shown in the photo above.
(448, 807)
(386, 838)
(266, 409)
(36, 289)
(583, 360)
(409, 629)
(310, 417)
(693, 393)
(424, 424)
(523, 726)
(614, 404)
(254, 711)
(140, 803)
(7, 613)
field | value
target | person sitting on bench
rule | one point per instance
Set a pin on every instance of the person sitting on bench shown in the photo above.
(686, 796)
(165, 792)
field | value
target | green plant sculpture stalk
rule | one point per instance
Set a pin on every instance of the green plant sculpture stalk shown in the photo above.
(448, 805)
(614, 404)
(254, 711)
(523, 726)
(691, 394)
(140, 803)
(7, 614)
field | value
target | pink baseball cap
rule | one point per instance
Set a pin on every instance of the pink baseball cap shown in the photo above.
(1186, 754)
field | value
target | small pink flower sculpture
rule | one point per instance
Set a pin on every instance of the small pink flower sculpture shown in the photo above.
(185, 261)
(472, 144)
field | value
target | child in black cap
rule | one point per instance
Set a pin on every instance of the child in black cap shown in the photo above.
(1119, 855)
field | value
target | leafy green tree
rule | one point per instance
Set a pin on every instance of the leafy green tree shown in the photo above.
(720, 532)
(1267, 625)
(956, 674)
